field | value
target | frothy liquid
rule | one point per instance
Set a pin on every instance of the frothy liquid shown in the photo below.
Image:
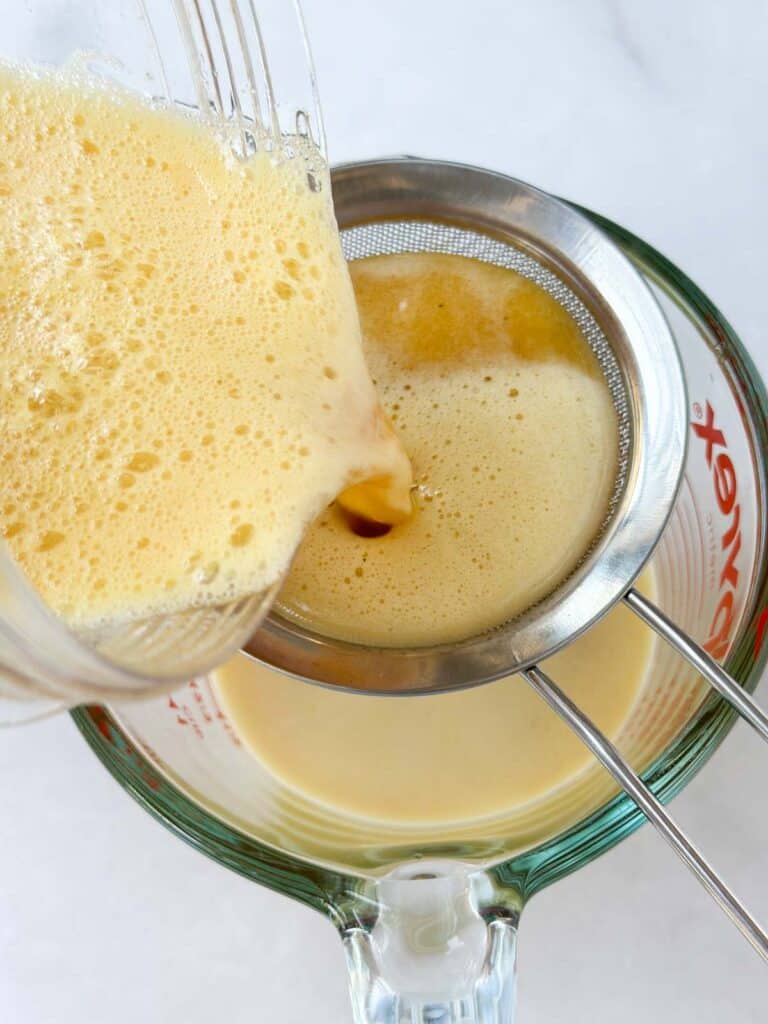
(513, 438)
(182, 387)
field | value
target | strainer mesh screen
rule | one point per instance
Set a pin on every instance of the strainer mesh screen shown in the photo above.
(381, 238)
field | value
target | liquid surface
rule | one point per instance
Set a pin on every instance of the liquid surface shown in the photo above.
(182, 387)
(513, 438)
(445, 758)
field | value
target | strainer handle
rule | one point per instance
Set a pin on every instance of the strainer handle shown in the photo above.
(630, 782)
(701, 660)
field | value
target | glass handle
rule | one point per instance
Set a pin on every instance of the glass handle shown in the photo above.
(22, 701)
(434, 944)
(14, 713)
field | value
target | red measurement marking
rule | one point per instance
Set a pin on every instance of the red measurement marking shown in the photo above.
(102, 724)
(762, 628)
(725, 483)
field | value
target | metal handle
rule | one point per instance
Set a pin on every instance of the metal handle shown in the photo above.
(701, 661)
(629, 781)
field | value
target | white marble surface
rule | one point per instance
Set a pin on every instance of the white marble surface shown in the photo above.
(654, 114)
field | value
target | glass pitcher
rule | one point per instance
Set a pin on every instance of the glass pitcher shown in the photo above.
(429, 916)
(211, 57)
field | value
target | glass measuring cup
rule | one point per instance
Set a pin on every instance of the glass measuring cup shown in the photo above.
(212, 58)
(429, 916)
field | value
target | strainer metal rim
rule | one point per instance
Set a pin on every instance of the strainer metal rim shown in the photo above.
(568, 243)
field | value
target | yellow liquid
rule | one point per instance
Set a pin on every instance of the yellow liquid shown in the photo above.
(182, 386)
(513, 439)
(438, 759)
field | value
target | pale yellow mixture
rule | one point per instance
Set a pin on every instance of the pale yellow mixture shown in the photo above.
(182, 387)
(439, 759)
(513, 439)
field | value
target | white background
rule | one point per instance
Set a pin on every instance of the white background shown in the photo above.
(654, 113)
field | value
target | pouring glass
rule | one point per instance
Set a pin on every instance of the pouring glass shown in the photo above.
(429, 916)
(212, 57)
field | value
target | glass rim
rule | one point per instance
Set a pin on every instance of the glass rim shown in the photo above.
(324, 888)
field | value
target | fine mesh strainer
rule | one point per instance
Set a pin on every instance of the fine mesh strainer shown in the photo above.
(410, 205)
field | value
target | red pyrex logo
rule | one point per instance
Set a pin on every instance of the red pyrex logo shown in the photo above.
(726, 491)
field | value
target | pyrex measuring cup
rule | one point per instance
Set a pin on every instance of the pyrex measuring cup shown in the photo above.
(429, 915)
